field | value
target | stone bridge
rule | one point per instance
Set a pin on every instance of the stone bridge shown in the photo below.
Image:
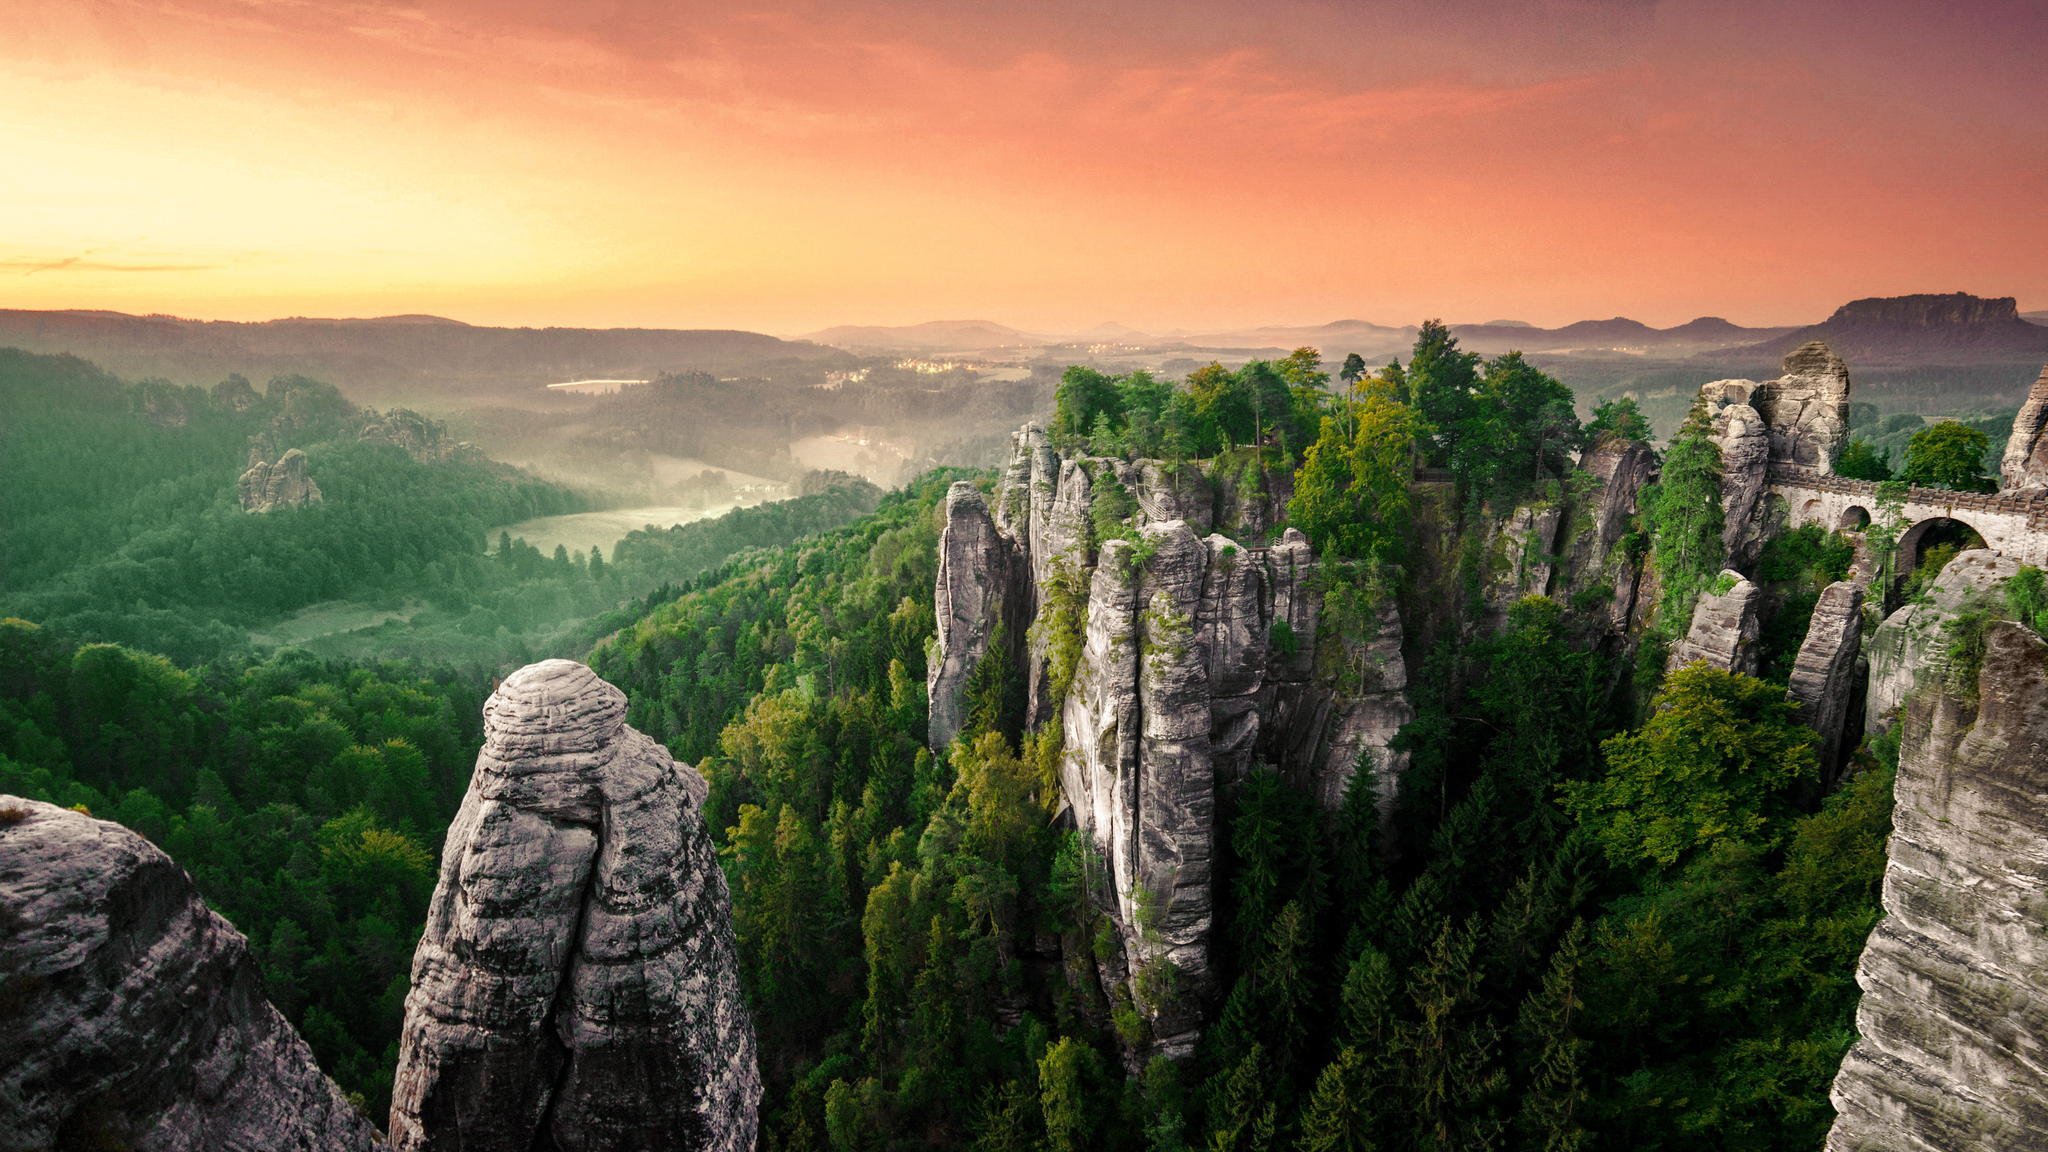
(2015, 523)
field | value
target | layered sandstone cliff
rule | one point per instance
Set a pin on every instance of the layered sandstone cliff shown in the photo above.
(134, 1016)
(2025, 463)
(1911, 646)
(1800, 419)
(1953, 1026)
(577, 986)
(269, 485)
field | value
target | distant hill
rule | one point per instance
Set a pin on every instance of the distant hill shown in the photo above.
(388, 357)
(932, 335)
(1618, 335)
(1928, 328)
(2035, 317)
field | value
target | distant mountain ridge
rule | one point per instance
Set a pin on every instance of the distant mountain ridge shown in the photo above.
(1920, 328)
(385, 356)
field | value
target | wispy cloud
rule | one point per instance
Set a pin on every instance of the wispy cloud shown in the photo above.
(84, 263)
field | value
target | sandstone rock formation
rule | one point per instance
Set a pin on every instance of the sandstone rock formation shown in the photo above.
(1807, 408)
(133, 1015)
(577, 986)
(1911, 647)
(1952, 1048)
(423, 439)
(2025, 463)
(1523, 553)
(268, 486)
(1725, 628)
(1823, 682)
(976, 589)
(1619, 468)
(1745, 442)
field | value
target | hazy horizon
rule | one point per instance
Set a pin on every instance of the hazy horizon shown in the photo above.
(1203, 166)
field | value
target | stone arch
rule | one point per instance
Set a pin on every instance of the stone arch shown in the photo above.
(1932, 532)
(1854, 518)
(1812, 511)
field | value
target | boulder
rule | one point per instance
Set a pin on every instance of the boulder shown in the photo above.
(1823, 682)
(577, 985)
(1807, 408)
(977, 582)
(1725, 628)
(134, 1015)
(1911, 646)
(267, 486)
(2025, 463)
(1951, 1048)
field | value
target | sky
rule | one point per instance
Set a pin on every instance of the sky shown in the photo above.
(1053, 165)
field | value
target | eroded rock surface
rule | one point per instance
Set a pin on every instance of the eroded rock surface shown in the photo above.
(283, 483)
(977, 585)
(2025, 463)
(423, 439)
(1911, 645)
(1823, 682)
(1725, 628)
(134, 1016)
(1807, 408)
(1745, 442)
(1619, 468)
(1952, 1048)
(577, 986)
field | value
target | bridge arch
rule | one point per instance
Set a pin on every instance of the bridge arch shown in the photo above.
(1933, 532)
(1854, 518)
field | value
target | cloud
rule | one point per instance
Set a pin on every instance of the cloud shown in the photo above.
(83, 263)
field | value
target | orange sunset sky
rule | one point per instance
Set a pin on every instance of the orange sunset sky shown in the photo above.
(1053, 165)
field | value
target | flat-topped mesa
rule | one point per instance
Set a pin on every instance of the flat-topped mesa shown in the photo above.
(133, 1015)
(1952, 1051)
(577, 986)
(2024, 466)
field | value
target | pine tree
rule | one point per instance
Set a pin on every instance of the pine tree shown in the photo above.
(1556, 1097)
(1335, 1119)
(1454, 1079)
(596, 562)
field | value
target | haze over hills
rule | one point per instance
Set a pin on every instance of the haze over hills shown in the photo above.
(387, 358)
(1953, 327)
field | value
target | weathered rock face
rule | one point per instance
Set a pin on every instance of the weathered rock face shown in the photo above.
(134, 1015)
(1823, 682)
(1952, 1051)
(2025, 464)
(1619, 469)
(1199, 659)
(1745, 443)
(577, 986)
(423, 439)
(1725, 629)
(1910, 647)
(1523, 554)
(977, 586)
(1807, 408)
(267, 486)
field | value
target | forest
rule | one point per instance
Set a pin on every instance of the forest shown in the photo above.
(1618, 910)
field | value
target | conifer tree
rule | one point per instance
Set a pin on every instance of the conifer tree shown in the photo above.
(1552, 1107)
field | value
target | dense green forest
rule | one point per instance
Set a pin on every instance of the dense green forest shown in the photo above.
(1616, 911)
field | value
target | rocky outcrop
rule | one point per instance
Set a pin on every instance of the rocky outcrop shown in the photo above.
(1603, 517)
(1745, 443)
(1911, 645)
(423, 439)
(577, 986)
(976, 590)
(2025, 463)
(268, 486)
(1725, 628)
(1824, 681)
(1523, 554)
(134, 1016)
(1952, 1048)
(1807, 408)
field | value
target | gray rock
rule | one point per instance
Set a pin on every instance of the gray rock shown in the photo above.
(134, 1015)
(1524, 549)
(1368, 709)
(1823, 682)
(266, 486)
(1807, 408)
(1745, 442)
(1725, 629)
(977, 583)
(423, 439)
(1910, 646)
(1165, 493)
(2025, 463)
(1234, 634)
(1618, 469)
(577, 986)
(1952, 1048)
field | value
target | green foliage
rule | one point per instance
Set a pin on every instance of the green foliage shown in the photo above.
(2026, 597)
(1715, 763)
(1860, 461)
(1351, 494)
(1112, 510)
(1948, 455)
(1684, 513)
(1619, 418)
